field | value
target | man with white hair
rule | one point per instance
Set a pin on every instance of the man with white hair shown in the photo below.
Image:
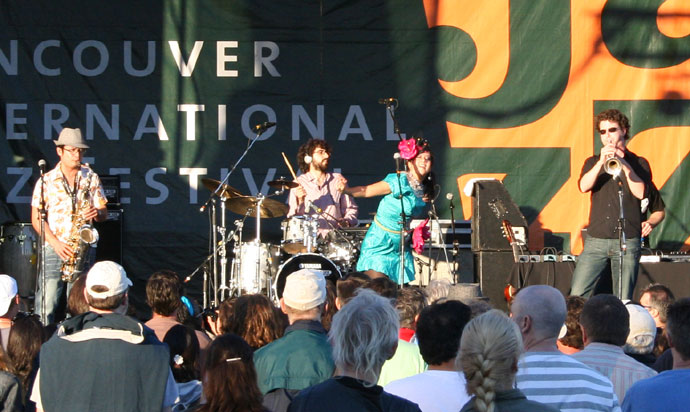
(364, 334)
(103, 360)
(545, 374)
(302, 357)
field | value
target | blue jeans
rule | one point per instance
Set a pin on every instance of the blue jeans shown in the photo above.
(593, 261)
(54, 285)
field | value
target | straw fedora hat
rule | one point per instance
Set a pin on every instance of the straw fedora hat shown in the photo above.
(71, 137)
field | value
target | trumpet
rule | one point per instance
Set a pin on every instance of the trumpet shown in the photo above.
(613, 166)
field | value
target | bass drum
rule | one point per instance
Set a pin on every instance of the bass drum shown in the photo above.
(304, 261)
(18, 255)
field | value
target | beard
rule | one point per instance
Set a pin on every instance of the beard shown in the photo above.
(321, 166)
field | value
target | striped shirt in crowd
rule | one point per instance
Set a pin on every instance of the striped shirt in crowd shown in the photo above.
(555, 379)
(612, 362)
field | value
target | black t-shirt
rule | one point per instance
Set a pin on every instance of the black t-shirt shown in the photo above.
(604, 210)
(347, 394)
(656, 203)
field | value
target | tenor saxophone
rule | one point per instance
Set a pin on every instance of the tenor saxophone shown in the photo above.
(82, 235)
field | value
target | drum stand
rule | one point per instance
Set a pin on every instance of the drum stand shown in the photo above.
(257, 273)
(223, 253)
(259, 129)
(219, 249)
(237, 276)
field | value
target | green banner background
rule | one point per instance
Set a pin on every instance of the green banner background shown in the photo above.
(335, 59)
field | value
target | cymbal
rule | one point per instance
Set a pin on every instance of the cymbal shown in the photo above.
(226, 192)
(282, 183)
(269, 207)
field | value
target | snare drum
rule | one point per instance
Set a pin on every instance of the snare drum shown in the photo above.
(299, 234)
(304, 261)
(253, 265)
(18, 255)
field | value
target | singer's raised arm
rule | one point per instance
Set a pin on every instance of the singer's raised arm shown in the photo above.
(375, 189)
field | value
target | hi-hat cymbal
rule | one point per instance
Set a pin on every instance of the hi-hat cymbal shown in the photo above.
(269, 207)
(282, 183)
(225, 192)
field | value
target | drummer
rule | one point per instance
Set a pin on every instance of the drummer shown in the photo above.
(321, 188)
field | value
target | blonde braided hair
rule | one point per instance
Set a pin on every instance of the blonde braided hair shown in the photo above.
(489, 349)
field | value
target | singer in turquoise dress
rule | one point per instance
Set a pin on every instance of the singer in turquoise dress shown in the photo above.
(381, 246)
(380, 250)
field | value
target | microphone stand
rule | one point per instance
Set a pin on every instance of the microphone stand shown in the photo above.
(259, 132)
(621, 237)
(434, 217)
(403, 219)
(403, 225)
(456, 245)
(42, 240)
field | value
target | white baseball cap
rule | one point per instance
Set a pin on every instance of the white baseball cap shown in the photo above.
(305, 289)
(8, 291)
(110, 275)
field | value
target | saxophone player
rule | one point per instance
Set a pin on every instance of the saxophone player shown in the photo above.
(72, 192)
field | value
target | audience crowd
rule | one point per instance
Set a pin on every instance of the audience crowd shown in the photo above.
(358, 344)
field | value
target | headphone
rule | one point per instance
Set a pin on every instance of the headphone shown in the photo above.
(307, 159)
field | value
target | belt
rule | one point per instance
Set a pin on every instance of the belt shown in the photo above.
(397, 232)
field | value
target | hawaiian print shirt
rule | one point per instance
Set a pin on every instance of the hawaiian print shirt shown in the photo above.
(58, 198)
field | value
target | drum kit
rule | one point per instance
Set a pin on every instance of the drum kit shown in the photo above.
(260, 267)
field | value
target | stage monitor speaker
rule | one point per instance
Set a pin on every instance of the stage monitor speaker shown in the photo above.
(491, 205)
(110, 235)
(492, 272)
(111, 188)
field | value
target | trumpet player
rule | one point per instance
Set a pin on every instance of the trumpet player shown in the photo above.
(615, 169)
(64, 189)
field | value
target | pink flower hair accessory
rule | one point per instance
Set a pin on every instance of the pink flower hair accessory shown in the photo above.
(408, 148)
(420, 235)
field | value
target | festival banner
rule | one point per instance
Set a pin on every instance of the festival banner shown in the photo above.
(168, 93)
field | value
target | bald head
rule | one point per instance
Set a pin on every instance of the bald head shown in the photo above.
(545, 308)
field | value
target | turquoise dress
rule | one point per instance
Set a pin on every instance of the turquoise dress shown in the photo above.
(381, 246)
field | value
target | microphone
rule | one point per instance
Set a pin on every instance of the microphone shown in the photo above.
(312, 206)
(262, 127)
(396, 156)
(388, 100)
(449, 196)
(42, 164)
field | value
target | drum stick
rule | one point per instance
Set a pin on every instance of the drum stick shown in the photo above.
(287, 162)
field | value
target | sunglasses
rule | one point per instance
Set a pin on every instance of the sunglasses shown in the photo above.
(610, 130)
